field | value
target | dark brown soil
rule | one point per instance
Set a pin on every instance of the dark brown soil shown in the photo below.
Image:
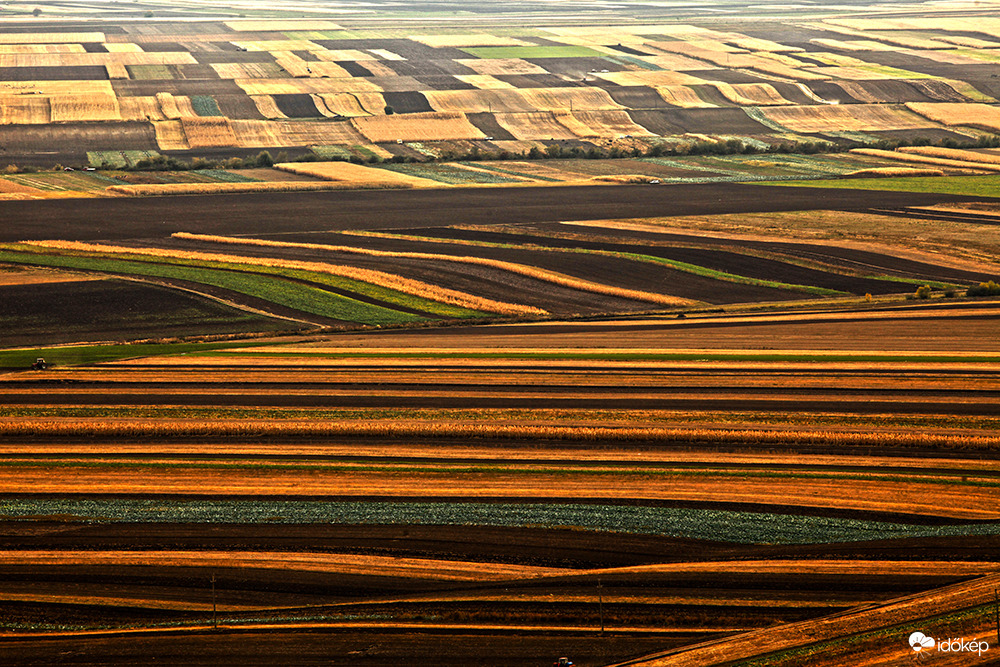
(92, 219)
(115, 310)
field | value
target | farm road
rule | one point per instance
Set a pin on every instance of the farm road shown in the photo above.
(284, 212)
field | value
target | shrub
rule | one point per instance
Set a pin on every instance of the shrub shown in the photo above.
(984, 289)
(923, 292)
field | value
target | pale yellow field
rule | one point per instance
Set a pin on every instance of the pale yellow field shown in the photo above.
(608, 124)
(542, 125)
(306, 85)
(352, 104)
(975, 115)
(435, 126)
(24, 110)
(844, 118)
(682, 96)
(503, 66)
(252, 133)
(84, 108)
(751, 94)
(484, 82)
(356, 174)
(471, 39)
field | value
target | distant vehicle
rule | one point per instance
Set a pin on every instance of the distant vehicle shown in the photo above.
(563, 662)
(39, 365)
(655, 181)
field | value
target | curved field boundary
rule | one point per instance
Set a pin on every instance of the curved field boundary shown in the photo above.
(303, 298)
(343, 564)
(521, 269)
(265, 265)
(927, 159)
(896, 619)
(649, 259)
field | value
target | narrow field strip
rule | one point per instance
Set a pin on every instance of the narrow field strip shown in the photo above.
(959, 501)
(783, 525)
(303, 298)
(638, 257)
(107, 428)
(420, 568)
(358, 277)
(521, 269)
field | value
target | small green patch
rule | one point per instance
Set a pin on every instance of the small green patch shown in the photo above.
(205, 105)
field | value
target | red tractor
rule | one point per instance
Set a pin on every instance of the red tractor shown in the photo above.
(563, 662)
(39, 365)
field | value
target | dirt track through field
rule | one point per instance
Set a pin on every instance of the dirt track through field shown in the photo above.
(275, 213)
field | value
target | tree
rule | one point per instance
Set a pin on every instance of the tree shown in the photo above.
(36, 11)
(264, 159)
(389, 110)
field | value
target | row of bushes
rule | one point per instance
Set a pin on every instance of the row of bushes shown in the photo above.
(553, 151)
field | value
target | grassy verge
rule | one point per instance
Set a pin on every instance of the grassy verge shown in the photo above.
(274, 289)
(977, 186)
(91, 354)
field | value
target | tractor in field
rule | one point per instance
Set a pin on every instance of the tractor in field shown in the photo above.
(39, 364)
(563, 662)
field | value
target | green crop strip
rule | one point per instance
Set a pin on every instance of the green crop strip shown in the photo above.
(339, 282)
(977, 186)
(303, 298)
(92, 354)
(796, 656)
(646, 356)
(623, 418)
(636, 257)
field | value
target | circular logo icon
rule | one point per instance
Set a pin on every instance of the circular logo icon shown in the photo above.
(919, 642)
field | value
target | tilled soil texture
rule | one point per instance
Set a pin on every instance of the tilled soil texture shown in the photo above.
(845, 259)
(112, 310)
(719, 260)
(394, 209)
(507, 286)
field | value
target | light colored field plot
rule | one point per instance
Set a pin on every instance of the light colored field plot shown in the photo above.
(42, 48)
(502, 66)
(751, 94)
(254, 133)
(853, 117)
(539, 125)
(682, 96)
(306, 85)
(67, 108)
(484, 82)
(973, 115)
(24, 110)
(356, 174)
(903, 156)
(531, 52)
(248, 70)
(95, 59)
(274, 45)
(647, 78)
(52, 38)
(437, 126)
(470, 39)
(269, 24)
(953, 154)
(352, 104)
(608, 124)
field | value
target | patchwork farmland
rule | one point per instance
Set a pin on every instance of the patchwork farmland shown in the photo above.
(490, 335)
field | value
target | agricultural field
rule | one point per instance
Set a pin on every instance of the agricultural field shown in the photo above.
(487, 334)
(93, 89)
